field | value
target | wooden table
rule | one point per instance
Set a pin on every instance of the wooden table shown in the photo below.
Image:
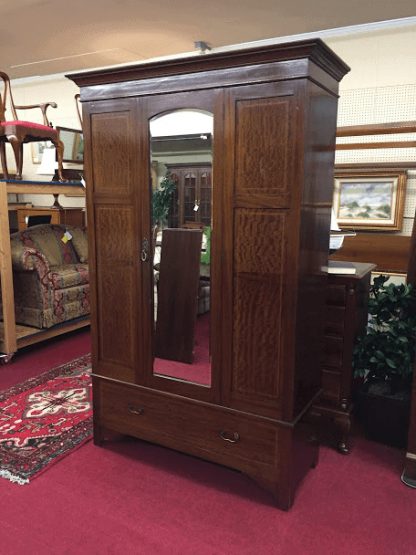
(346, 316)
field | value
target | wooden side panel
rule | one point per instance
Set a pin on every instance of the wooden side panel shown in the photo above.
(263, 136)
(260, 244)
(258, 303)
(115, 282)
(112, 133)
(113, 199)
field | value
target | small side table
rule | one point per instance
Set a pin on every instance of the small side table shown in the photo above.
(347, 315)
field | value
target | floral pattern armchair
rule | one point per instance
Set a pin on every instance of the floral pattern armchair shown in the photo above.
(50, 276)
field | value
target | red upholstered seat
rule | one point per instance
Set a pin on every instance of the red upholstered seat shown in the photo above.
(18, 132)
(29, 124)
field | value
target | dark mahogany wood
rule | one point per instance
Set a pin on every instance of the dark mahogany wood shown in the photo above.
(409, 472)
(274, 132)
(390, 253)
(346, 318)
(178, 294)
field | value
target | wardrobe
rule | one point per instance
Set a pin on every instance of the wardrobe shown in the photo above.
(274, 122)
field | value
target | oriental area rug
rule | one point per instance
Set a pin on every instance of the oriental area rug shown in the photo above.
(44, 418)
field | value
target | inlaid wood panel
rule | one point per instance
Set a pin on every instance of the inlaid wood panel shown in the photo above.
(259, 240)
(115, 283)
(256, 337)
(112, 132)
(262, 145)
(116, 313)
(258, 266)
(114, 232)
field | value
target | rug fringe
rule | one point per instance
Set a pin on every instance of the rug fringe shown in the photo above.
(13, 478)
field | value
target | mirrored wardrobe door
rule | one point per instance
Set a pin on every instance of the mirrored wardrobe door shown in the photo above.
(181, 157)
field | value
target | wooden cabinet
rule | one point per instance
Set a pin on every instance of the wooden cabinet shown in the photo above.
(274, 112)
(346, 317)
(192, 201)
(69, 216)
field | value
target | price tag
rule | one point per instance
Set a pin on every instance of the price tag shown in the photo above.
(67, 236)
(83, 182)
(196, 208)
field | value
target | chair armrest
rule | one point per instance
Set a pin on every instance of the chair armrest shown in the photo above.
(28, 259)
(43, 107)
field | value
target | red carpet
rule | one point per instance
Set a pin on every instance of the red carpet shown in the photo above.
(43, 418)
(135, 498)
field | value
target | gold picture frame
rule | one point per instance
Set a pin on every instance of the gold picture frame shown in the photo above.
(370, 199)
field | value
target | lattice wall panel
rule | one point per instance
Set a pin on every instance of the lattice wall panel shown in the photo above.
(381, 105)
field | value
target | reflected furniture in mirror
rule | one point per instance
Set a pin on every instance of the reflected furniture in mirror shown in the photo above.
(192, 203)
(73, 142)
(274, 123)
(178, 294)
(18, 132)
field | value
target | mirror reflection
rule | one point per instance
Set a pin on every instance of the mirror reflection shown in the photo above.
(181, 163)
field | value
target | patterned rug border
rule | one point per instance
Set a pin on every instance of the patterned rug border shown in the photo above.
(73, 439)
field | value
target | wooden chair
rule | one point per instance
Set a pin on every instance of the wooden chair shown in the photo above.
(18, 132)
(77, 104)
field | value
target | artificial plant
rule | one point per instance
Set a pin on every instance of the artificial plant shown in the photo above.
(162, 198)
(387, 350)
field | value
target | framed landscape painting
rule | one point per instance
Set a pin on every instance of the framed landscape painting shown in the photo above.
(369, 199)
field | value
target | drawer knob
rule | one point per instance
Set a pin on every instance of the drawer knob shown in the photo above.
(232, 439)
(131, 409)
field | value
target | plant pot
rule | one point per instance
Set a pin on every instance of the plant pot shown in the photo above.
(384, 412)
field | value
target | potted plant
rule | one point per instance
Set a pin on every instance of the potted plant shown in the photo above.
(383, 359)
(161, 201)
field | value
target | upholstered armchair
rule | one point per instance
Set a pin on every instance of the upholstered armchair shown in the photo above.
(50, 276)
(18, 132)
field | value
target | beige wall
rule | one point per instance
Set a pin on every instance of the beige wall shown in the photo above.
(36, 91)
(380, 88)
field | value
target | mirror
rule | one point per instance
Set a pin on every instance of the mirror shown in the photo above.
(73, 144)
(181, 193)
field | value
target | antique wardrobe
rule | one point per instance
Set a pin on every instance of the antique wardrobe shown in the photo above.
(274, 123)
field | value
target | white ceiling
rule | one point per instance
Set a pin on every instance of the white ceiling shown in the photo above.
(43, 37)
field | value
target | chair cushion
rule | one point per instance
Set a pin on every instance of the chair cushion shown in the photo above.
(29, 124)
(67, 276)
(80, 243)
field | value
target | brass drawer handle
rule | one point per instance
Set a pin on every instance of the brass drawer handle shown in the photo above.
(234, 439)
(131, 409)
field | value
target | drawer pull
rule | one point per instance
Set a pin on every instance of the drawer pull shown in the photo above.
(131, 409)
(234, 439)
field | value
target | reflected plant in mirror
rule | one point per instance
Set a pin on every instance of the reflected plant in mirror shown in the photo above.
(181, 159)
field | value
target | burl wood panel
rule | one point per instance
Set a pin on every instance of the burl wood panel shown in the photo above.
(258, 266)
(263, 130)
(178, 294)
(115, 283)
(112, 133)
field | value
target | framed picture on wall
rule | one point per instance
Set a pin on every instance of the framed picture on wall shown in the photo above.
(37, 150)
(369, 199)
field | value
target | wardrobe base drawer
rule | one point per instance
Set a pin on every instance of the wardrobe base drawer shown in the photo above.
(168, 419)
